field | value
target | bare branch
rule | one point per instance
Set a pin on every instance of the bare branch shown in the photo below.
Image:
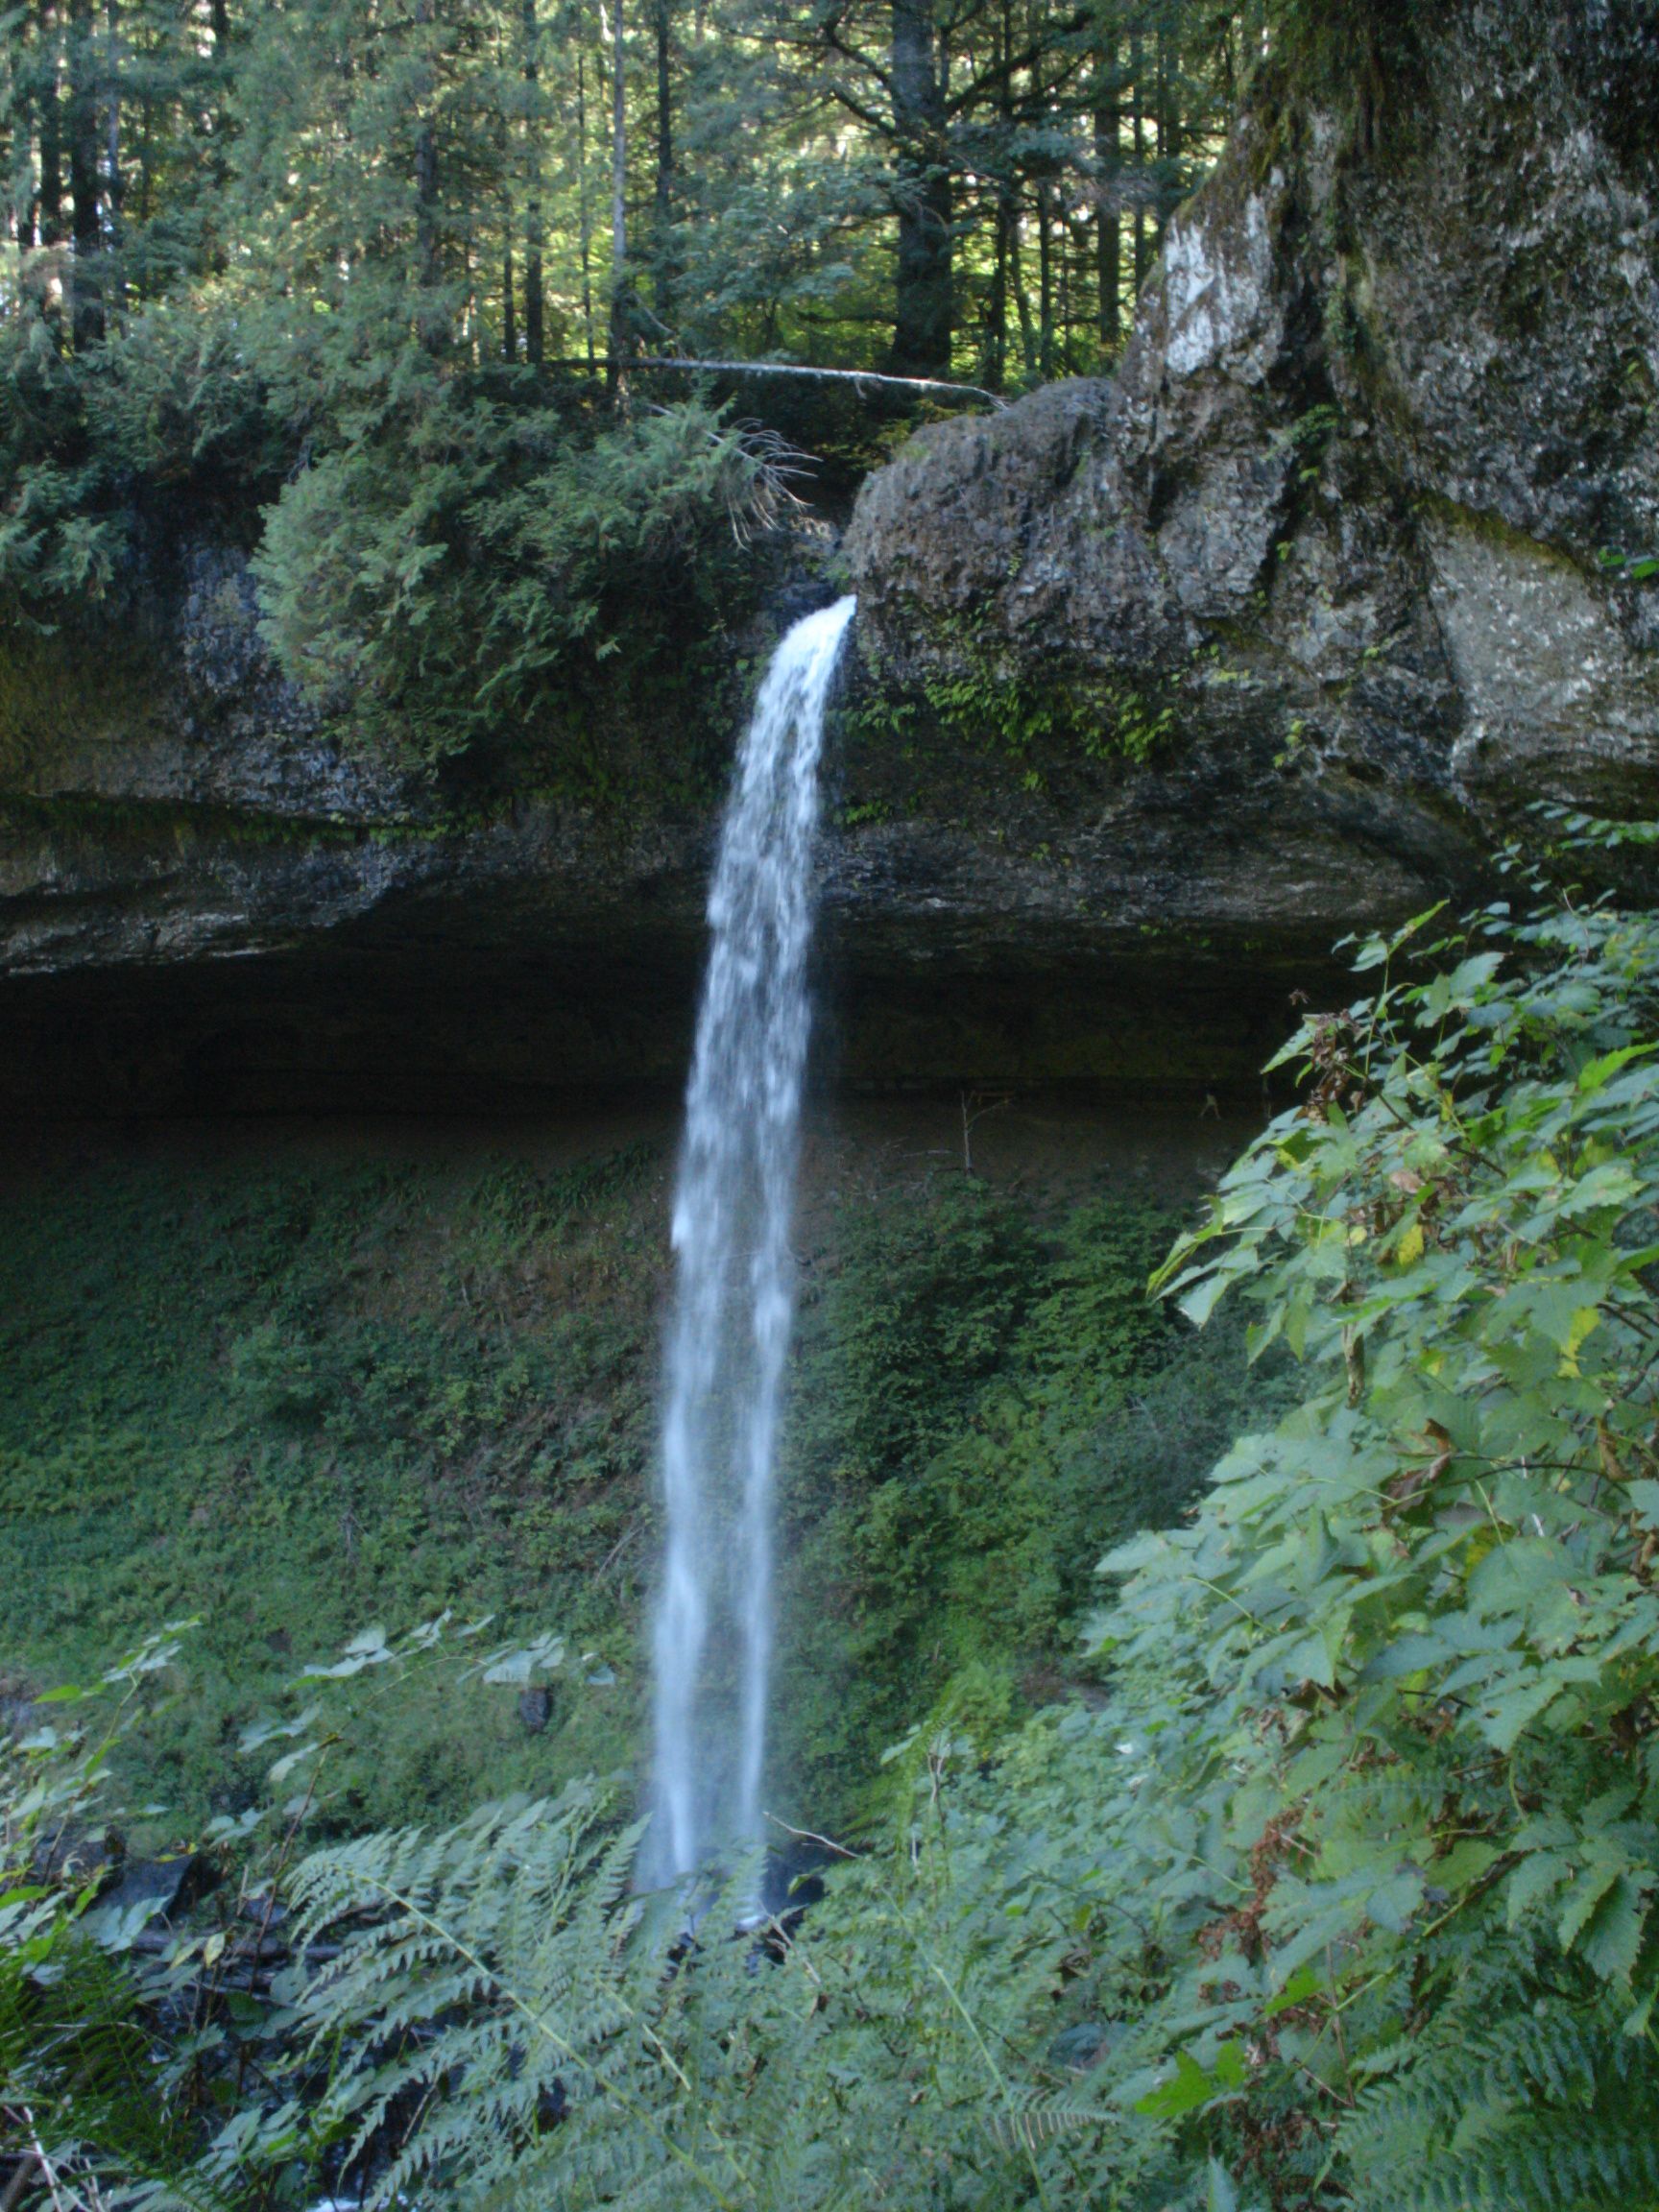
(827, 375)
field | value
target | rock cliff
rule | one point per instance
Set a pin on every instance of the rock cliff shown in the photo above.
(1161, 684)
(1326, 579)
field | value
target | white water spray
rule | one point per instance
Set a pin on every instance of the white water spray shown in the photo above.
(734, 1301)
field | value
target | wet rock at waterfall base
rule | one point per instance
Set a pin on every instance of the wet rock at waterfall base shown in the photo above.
(792, 1878)
(535, 1710)
(1084, 2045)
(158, 1886)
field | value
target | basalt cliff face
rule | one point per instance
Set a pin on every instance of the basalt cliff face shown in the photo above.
(1334, 550)
(1159, 685)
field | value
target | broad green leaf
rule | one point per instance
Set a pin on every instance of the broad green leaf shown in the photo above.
(1612, 1938)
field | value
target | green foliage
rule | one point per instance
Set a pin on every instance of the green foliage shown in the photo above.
(978, 703)
(78, 2093)
(983, 1396)
(461, 574)
(1338, 1893)
(1343, 1891)
(1507, 2103)
(1400, 1664)
(300, 1397)
(1629, 567)
(57, 538)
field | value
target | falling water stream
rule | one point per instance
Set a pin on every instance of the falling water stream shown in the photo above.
(734, 1297)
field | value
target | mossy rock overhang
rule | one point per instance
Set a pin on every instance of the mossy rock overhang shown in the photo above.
(215, 908)
(210, 901)
(170, 959)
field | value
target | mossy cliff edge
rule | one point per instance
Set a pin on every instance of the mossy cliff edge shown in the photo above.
(1158, 685)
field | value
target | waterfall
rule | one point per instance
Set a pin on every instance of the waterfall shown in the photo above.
(733, 1295)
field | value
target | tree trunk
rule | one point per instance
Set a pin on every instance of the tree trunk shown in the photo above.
(621, 333)
(112, 20)
(1027, 335)
(88, 235)
(509, 316)
(49, 213)
(535, 307)
(584, 210)
(1045, 283)
(1109, 272)
(618, 146)
(113, 286)
(1108, 215)
(146, 132)
(1137, 117)
(996, 369)
(426, 204)
(1065, 321)
(923, 307)
(997, 373)
(428, 262)
(1172, 128)
(1170, 137)
(663, 198)
(219, 21)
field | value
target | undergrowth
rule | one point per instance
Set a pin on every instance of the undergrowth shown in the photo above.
(1002, 1395)
(297, 1401)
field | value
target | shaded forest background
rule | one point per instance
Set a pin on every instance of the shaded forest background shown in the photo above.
(971, 190)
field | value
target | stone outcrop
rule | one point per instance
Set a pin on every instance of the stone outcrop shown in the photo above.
(1337, 536)
(1162, 684)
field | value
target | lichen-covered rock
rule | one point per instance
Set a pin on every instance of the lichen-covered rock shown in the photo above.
(1388, 408)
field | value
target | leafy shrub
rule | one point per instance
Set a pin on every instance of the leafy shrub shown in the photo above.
(1394, 1682)
(439, 580)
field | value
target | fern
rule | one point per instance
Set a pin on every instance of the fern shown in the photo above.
(492, 2017)
(1520, 2094)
